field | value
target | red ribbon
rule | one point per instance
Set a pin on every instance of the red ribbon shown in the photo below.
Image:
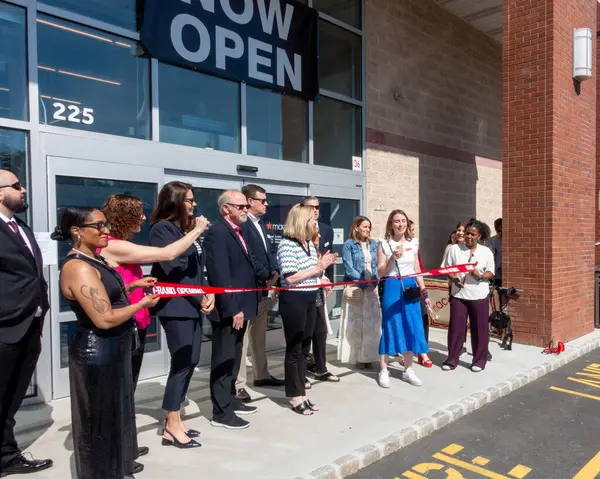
(167, 290)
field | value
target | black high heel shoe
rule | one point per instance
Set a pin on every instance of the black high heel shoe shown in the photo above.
(311, 405)
(192, 433)
(179, 445)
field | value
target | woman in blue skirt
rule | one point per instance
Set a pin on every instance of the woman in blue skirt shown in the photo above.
(402, 325)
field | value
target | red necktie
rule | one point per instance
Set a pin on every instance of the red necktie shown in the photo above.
(13, 225)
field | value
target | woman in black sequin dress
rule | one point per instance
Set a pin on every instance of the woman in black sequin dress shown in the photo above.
(102, 409)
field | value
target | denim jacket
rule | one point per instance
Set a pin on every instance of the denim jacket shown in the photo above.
(354, 261)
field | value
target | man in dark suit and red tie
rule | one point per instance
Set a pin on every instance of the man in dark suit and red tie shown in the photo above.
(23, 305)
(230, 263)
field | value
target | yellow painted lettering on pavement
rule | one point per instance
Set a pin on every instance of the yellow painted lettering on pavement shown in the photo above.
(519, 471)
(575, 393)
(452, 449)
(480, 461)
(591, 470)
(469, 467)
(412, 475)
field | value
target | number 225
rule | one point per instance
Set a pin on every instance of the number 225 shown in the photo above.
(87, 114)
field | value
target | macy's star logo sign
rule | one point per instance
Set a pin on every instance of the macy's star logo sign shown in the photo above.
(269, 225)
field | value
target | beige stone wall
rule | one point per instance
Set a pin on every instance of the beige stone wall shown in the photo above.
(434, 113)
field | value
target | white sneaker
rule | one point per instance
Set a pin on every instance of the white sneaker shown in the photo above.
(410, 377)
(476, 369)
(384, 378)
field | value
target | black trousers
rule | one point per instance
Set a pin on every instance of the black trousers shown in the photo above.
(319, 341)
(225, 362)
(17, 365)
(298, 328)
(138, 357)
(184, 339)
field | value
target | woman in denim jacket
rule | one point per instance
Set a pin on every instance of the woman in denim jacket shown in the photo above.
(360, 325)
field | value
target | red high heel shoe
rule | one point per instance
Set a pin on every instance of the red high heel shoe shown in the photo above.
(425, 364)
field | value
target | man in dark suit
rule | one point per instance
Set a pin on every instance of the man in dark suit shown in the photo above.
(230, 263)
(317, 361)
(255, 234)
(23, 305)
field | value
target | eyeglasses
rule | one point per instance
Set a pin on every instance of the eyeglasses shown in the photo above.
(262, 201)
(191, 201)
(17, 186)
(100, 225)
(311, 206)
(239, 207)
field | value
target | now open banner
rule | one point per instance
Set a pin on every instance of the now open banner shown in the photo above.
(270, 44)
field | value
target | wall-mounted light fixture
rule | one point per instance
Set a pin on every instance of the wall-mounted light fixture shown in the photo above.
(582, 54)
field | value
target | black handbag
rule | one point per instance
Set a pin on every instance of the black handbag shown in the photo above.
(411, 295)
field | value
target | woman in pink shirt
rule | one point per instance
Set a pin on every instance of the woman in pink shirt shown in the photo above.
(126, 215)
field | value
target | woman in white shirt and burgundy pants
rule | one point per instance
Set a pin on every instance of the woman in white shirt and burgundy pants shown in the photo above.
(470, 298)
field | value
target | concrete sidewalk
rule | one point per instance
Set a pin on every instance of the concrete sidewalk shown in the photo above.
(359, 422)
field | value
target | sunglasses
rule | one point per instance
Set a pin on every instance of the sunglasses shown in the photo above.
(100, 225)
(311, 206)
(191, 201)
(262, 202)
(239, 207)
(17, 186)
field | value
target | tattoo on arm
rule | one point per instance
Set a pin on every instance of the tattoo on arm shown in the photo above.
(99, 304)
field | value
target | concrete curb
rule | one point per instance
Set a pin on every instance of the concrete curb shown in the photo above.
(360, 458)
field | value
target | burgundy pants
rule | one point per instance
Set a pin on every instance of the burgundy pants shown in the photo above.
(478, 313)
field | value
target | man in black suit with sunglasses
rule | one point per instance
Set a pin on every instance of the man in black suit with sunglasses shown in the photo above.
(23, 305)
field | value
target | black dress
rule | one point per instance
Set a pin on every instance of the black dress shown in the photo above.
(102, 406)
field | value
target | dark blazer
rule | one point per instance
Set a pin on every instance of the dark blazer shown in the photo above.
(326, 244)
(265, 256)
(229, 266)
(23, 287)
(186, 269)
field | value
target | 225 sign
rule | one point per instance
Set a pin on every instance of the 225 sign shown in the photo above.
(75, 115)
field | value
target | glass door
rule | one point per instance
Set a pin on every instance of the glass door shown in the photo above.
(338, 208)
(73, 182)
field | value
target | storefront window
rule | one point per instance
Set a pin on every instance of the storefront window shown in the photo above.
(116, 12)
(198, 110)
(13, 63)
(91, 80)
(75, 191)
(277, 126)
(340, 60)
(347, 11)
(14, 157)
(337, 133)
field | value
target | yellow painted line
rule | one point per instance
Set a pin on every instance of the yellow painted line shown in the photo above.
(519, 471)
(469, 467)
(597, 376)
(593, 366)
(412, 475)
(587, 382)
(480, 461)
(452, 449)
(575, 393)
(591, 469)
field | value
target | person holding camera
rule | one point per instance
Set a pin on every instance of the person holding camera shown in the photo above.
(402, 326)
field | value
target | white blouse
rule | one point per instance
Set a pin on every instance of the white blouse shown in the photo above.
(406, 264)
(472, 289)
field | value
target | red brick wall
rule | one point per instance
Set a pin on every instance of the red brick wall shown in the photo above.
(549, 149)
(597, 205)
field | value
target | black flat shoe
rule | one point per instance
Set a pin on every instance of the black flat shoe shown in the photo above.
(243, 396)
(179, 445)
(142, 451)
(301, 409)
(137, 468)
(22, 465)
(311, 405)
(269, 382)
(192, 433)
